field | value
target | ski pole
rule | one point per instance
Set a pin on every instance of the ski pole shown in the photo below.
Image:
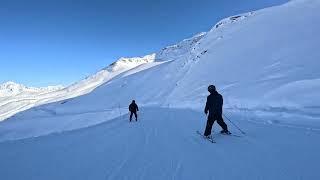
(120, 112)
(234, 124)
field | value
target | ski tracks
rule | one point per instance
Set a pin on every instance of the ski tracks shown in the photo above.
(163, 145)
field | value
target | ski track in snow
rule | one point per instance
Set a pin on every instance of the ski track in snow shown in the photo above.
(163, 145)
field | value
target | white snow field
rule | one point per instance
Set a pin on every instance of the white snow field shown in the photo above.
(163, 145)
(264, 63)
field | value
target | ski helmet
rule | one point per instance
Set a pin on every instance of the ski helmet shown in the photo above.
(211, 88)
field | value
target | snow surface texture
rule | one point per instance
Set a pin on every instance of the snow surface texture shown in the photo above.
(265, 63)
(163, 144)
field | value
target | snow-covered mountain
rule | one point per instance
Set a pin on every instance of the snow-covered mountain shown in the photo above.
(179, 50)
(15, 97)
(12, 88)
(106, 74)
(265, 64)
(260, 61)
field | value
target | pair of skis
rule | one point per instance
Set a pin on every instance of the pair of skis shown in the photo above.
(210, 138)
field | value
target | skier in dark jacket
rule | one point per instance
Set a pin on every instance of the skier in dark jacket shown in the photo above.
(133, 108)
(214, 107)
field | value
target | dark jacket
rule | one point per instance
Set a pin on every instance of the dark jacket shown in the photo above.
(214, 104)
(133, 107)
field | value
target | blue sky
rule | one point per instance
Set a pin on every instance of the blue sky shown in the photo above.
(49, 42)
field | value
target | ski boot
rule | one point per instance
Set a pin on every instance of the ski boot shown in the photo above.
(225, 132)
(206, 136)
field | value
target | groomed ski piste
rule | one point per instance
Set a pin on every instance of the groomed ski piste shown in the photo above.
(163, 145)
(264, 63)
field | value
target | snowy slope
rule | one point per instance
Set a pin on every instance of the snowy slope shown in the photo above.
(164, 147)
(265, 63)
(15, 98)
(257, 62)
(262, 62)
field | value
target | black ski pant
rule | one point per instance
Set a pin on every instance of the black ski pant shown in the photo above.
(135, 114)
(210, 121)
